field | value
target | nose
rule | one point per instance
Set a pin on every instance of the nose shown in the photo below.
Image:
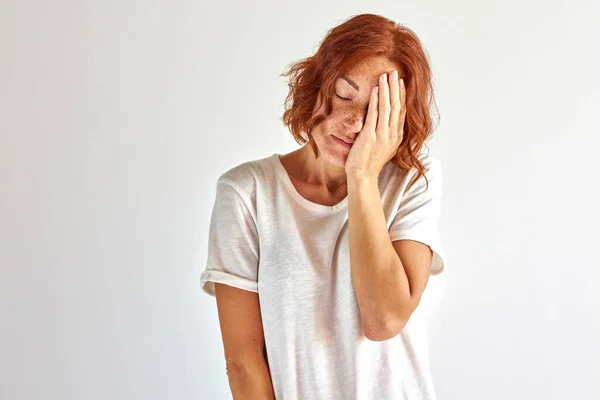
(355, 123)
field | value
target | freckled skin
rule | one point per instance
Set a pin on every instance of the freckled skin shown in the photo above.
(323, 180)
(348, 116)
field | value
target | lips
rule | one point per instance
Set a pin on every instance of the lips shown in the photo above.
(349, 141)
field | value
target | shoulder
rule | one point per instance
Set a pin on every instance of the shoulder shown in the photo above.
(431, 164)
(433, 167)
(247, 177)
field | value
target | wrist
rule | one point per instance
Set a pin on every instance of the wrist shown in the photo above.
(359, 176)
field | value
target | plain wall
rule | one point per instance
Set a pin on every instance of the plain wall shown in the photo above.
(117, 117)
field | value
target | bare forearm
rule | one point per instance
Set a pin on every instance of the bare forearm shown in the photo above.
(250, 381)
(378, 277)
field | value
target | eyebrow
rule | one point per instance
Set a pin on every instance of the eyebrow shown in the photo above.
(351, 82)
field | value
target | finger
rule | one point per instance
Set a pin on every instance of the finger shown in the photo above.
(371, 120)
(384, 106)
(395, 102)
(403, 108)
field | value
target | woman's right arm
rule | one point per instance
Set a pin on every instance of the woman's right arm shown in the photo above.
(243, 343)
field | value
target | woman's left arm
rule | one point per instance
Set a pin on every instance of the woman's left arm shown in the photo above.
(388, 277)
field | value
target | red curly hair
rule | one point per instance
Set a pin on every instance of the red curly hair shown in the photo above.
(344, 46)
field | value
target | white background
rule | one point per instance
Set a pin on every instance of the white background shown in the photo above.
(116, 118)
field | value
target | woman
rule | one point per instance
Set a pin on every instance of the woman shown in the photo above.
(318, 258)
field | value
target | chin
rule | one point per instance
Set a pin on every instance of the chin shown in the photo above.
(333, 154)
(337, 158)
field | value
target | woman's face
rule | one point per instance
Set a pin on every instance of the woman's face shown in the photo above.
(350, 104)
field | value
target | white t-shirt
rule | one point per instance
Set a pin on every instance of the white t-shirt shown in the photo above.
(267, 238)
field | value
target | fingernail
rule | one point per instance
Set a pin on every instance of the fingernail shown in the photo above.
(385, 78)
(394, 74)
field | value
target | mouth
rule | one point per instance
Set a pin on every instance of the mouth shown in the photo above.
(342, 141)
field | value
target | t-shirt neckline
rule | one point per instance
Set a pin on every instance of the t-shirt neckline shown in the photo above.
(287, 182)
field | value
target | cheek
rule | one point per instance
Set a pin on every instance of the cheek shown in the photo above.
(333, 121)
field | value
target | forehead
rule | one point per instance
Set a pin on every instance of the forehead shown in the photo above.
(366, 72)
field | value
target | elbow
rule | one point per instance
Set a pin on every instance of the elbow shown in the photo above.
(388, 324)
(384, 330)
(242, 369)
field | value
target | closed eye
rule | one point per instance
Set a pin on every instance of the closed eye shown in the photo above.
(343, 98)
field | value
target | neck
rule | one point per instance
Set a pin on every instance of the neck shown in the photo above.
(318, 171)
